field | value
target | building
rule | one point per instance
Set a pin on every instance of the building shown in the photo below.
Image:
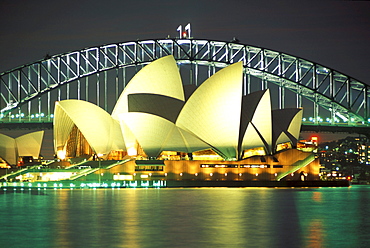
(163, 129)
(25, 148)
(348, 157)
(168, 130)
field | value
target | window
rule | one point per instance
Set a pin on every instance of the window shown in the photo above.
(148, 168)
(254, 166)
(277, 166)
(218, 166)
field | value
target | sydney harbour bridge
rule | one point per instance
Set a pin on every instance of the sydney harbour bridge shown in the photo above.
(331, 100)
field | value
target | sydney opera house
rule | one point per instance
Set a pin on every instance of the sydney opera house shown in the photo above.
(161, 129)
(14, 150)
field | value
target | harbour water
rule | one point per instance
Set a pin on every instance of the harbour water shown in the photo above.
(187, 217)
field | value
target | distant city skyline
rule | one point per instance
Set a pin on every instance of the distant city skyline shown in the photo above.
(326, 137)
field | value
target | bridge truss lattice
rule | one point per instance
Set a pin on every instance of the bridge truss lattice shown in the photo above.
(99, 74)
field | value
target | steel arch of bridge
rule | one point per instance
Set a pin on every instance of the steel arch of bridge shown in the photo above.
(28, 93)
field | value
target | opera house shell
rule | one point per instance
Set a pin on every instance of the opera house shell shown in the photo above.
(27, 145)
(158, 118)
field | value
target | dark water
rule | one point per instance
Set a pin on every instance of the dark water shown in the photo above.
(195, 217)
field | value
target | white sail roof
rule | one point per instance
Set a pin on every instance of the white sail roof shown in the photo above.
(295, 124)
(30, 144)
(259, 131)
(212, 112)
(287, 125)
(159, 77)
(95, 124)
(8, 149)
(25, 145)
(156, 134)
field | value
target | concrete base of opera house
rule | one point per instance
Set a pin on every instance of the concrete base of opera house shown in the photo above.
(291, 168)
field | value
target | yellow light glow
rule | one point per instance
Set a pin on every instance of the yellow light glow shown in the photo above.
(258, 151)
(61, 154)
(132, 151)
(123, 177)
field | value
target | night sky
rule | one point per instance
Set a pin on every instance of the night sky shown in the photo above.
(335, 34)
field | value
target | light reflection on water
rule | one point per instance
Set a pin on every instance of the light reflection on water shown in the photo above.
(190, 217)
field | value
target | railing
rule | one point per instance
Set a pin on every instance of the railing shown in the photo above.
(296, 166)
